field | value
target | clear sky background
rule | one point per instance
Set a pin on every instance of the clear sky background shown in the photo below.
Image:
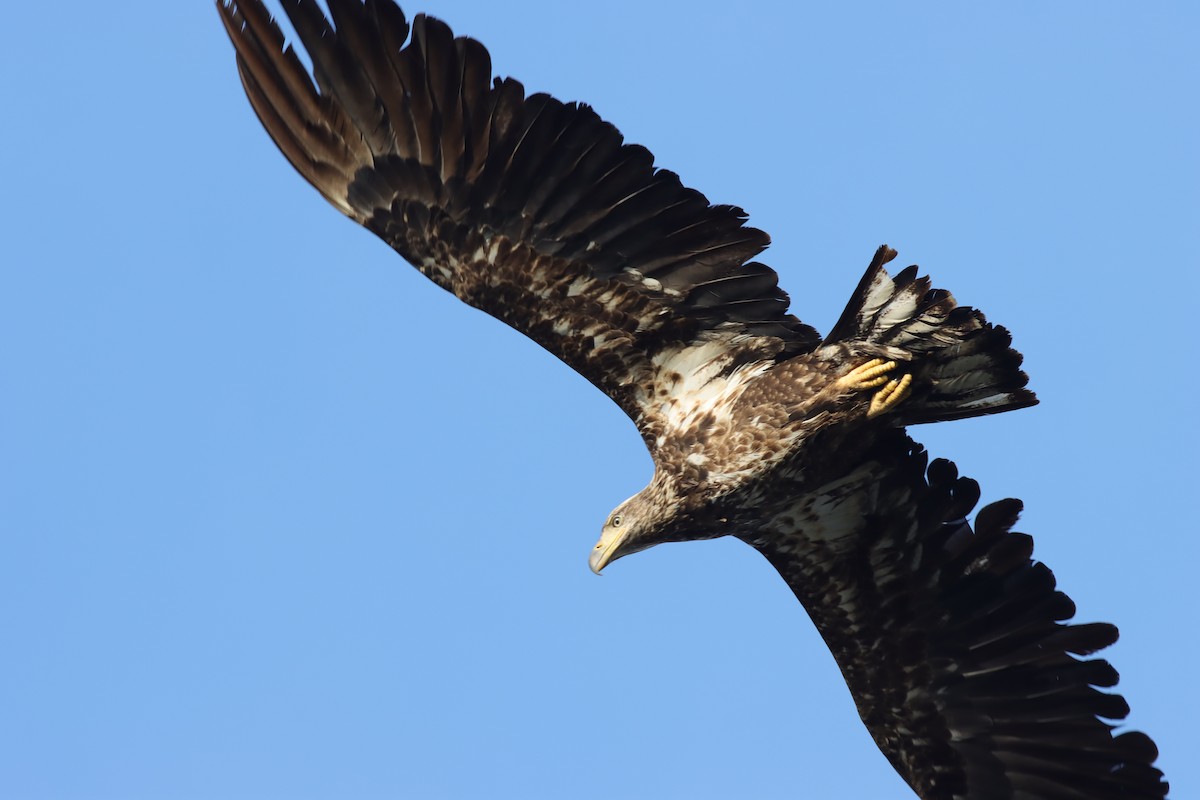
(281, 519)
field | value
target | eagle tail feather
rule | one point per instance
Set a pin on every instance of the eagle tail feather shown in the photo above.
(962, 366)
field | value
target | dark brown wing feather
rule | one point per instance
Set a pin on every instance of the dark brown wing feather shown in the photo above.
(530, 209)
(954, 641)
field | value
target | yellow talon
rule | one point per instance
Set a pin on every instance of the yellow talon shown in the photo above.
(890, 396)
(868, 376)
(875, 375)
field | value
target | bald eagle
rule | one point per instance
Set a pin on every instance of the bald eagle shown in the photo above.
(951, 638)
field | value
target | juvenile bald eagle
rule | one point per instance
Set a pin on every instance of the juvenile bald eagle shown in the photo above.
(951, 639)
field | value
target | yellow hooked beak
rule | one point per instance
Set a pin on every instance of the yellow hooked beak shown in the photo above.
(606, 550)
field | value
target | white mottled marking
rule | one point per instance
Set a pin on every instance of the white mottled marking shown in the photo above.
(899, 310)
(879, 293)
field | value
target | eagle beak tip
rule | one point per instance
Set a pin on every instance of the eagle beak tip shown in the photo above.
(600, 557)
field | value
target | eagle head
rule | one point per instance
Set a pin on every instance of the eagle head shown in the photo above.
(644, 520)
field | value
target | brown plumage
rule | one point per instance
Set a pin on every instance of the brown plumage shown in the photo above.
(951, 639)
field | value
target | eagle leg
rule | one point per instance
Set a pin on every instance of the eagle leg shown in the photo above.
(875, 375)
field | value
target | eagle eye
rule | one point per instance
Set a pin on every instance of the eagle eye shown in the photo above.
(615, 521)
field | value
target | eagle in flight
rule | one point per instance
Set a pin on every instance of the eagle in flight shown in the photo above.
(951, 638)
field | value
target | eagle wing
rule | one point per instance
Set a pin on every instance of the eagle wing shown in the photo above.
(953, 640)
(531, 210)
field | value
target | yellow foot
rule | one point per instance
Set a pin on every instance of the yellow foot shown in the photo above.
(875, 375)
(891, 395)
(868, 376)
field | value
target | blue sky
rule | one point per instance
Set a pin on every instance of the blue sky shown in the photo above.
(281, 519)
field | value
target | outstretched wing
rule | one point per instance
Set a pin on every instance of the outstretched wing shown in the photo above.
(529, 209)
(953, 640)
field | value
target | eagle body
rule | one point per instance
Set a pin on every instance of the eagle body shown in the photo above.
(953, 640)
